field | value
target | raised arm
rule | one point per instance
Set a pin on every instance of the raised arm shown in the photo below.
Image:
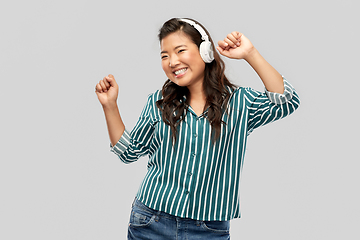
(107, 92)
(237, 46)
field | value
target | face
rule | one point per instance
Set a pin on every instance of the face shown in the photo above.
(181, 60)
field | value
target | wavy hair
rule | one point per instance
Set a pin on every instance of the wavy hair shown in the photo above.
(215, 84)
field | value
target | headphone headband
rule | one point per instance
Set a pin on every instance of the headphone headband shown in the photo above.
(204, 36)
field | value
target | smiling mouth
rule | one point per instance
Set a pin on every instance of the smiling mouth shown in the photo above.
(180, 72)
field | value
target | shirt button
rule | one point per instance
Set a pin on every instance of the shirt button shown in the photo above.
(193, 154)
(195, 135)
(190, 173)
(187, 192)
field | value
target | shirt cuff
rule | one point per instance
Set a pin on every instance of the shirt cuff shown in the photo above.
(278, 98)
(123, 143)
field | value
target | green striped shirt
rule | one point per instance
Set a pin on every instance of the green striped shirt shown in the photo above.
(194, 178)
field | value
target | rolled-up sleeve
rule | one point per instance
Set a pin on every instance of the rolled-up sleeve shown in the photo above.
(123, 143)
(278, 98)
(131, 146)
(266, 107)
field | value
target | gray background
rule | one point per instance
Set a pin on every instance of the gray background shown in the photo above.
(58, 179)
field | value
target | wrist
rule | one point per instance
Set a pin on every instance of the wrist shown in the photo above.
(110, 106)
(252, 55)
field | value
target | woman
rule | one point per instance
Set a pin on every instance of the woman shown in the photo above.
(194, 132)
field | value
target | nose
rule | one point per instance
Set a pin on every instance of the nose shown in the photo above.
(174, 61)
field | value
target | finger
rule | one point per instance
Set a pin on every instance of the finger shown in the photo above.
(223, 44)
(223, 51)
(220, 49)
(103, 86)
(233, 39)
(107, 84)
(237, 36)
(111, 80)
(98, 88)
(224, 47)
(230, 43)
(110, 77)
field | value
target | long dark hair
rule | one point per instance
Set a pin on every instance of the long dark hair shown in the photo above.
(215, 85)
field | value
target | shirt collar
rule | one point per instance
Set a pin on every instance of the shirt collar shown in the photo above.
(230, 90)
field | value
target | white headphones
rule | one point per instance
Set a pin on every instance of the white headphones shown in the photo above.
(205, 49)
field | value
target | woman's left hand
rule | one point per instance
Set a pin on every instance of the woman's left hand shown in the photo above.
(235, 46)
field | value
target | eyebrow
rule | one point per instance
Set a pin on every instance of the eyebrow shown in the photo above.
(174, 48)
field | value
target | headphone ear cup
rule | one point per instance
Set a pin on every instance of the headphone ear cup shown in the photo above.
(206, 52)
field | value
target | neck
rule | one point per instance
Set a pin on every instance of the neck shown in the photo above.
(197, 93)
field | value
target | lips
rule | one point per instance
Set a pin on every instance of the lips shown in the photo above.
(180, 72)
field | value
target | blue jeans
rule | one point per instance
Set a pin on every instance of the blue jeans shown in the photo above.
(146, 223)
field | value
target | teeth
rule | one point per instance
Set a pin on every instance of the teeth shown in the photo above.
(180, 71)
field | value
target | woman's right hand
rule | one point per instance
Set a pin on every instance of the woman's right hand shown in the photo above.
(107, 90)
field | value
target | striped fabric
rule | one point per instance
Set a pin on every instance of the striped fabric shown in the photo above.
(194, 178)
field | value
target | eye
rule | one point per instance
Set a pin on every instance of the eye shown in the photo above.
(181, 50)
(163, 56)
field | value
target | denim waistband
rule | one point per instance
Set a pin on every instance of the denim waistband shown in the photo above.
(139, 204)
